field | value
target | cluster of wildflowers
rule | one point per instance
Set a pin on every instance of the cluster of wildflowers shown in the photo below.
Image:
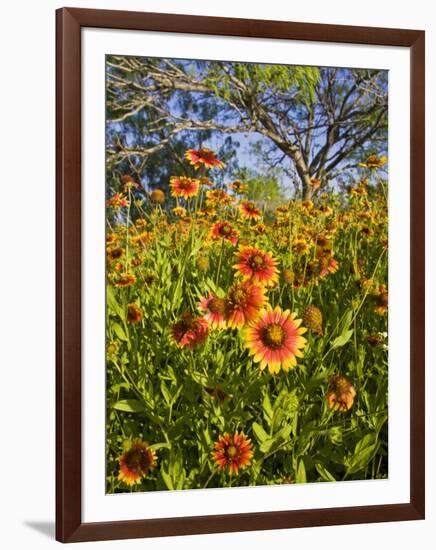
(223, 276)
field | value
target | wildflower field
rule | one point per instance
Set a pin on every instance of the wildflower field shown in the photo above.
(246, 339)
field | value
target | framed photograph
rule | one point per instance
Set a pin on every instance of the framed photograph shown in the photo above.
(240, 275)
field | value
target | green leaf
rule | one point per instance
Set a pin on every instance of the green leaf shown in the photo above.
(119, 331)
(268, 412)
(363, 453)
(342, 339)
(284, 433)
(165, 392)
(167, 480)
(177, 295)
(181, 480)
(347, 321)
(117, 387)
(265, 447)
(158, 446)
(112, 303)
(300, 476)
(335, 435)
(259, 432)
(129, 405)
(324, 473)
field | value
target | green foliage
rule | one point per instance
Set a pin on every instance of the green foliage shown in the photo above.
(265, 189)
(180, 400)
(259, 78)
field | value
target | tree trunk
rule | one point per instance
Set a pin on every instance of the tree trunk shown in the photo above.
(302, 170)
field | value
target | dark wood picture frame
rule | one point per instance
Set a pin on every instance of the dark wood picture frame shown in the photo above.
(69, 526)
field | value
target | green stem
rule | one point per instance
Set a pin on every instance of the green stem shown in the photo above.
(219, 263)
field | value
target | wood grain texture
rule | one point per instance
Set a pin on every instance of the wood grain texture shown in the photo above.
(69, 527)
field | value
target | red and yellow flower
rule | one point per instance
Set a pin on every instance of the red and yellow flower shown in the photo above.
(243, 303)
(233, 453)
(129, 183)
(259, 228)
(184, 187)
(205, 157)
(218, 198)
(136, 462)
(224, 230)
(373, 162)
(249, 210)
(238, 186)
(275, 339)
(204, 180)
(213, 309)
(314, 183)
(340, 395)
(300, 246)
(134, 313)
(190, 331)
(381, 300)
(126, 279)
(256, 265)
(179, 211)
(207, 211)
(327, 265)
(216, 393)
(143, 238)
(115, 253)
(118, 201)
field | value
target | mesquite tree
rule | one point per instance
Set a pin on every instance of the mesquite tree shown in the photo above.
(317, 121)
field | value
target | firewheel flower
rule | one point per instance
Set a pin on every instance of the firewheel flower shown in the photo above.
(184, 187)
(118, 200)
(204, 156)
(213, 309)
(129, 183)
(233, 453)
(179, 211)
(275, 339)
(300, 247)
(327, 264)
(257, 265)
(243, 303)
(373, 162)
(115, 253)
(224, 230)
(238, 186)
(134, 313)
(135, 462)
(218, 198)
(381, 300)
(127, 279)
(340, 395)
(249, 210)
(190, 331)
(314, 183)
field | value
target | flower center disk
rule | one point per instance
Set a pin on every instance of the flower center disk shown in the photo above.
(231, 451)
(273, 335)
(238, 297)
(136, 460)
(256, 262)
(216, 305)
